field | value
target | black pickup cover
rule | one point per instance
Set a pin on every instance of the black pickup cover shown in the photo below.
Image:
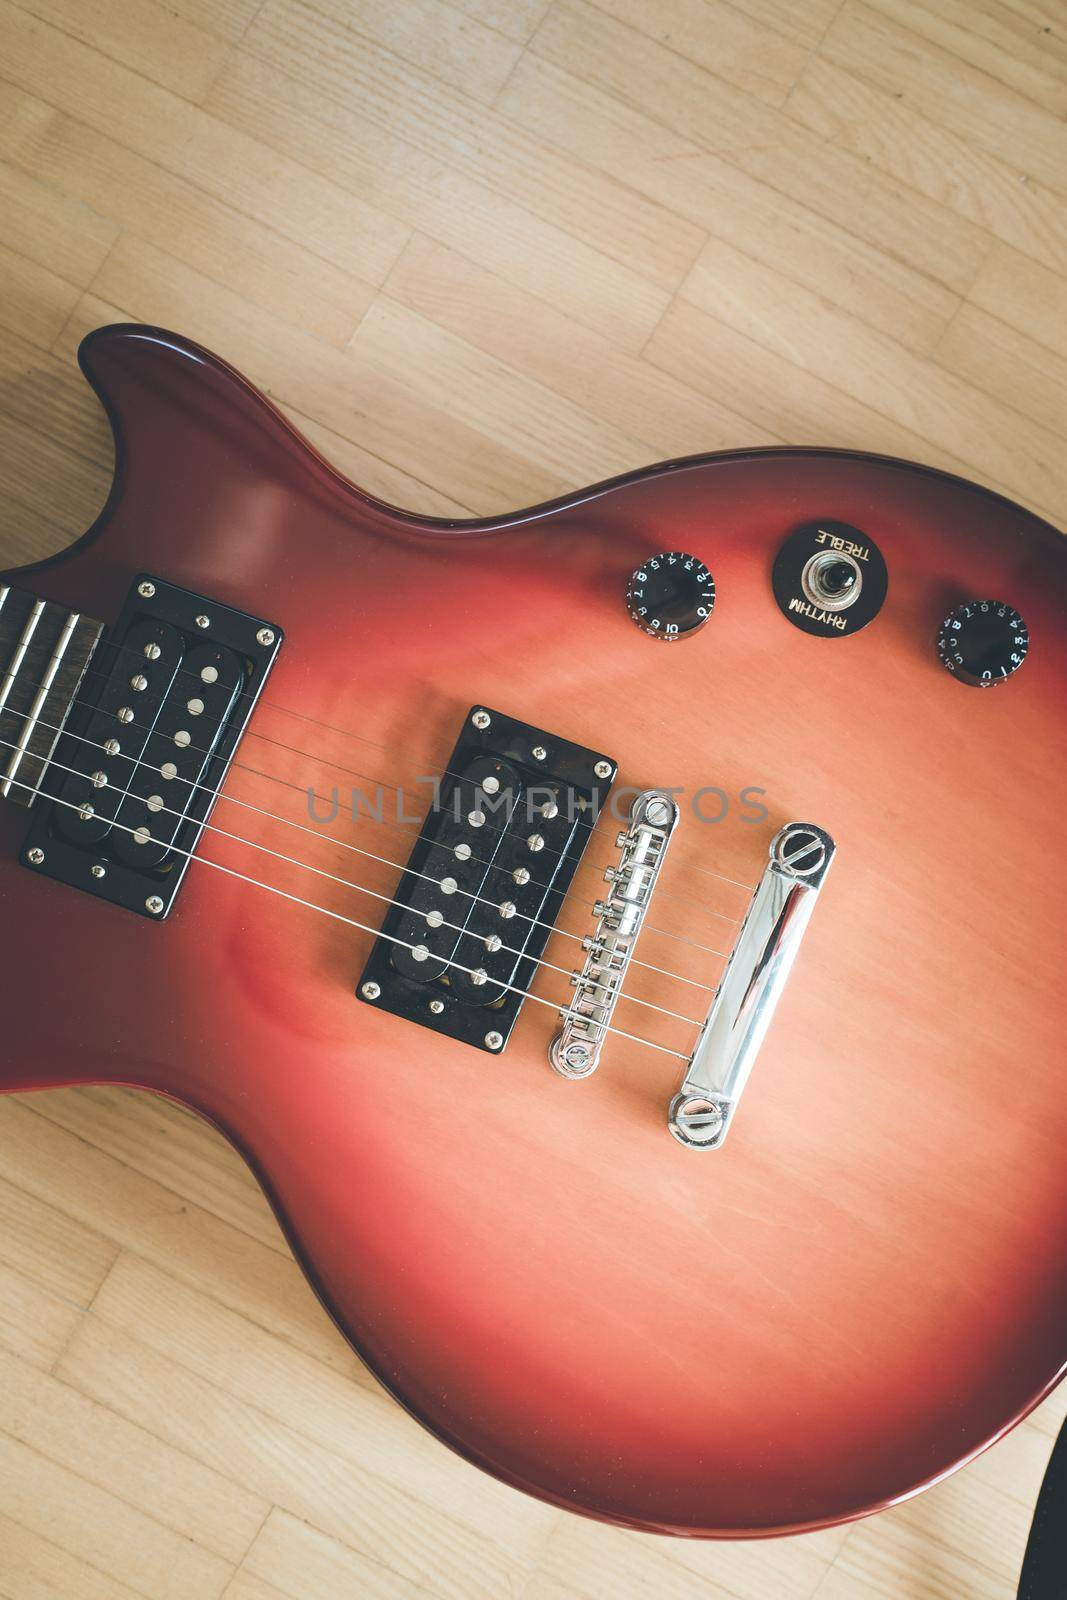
(462, 873)
(172, 686)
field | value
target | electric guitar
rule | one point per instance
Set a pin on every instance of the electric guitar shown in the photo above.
(625, 937)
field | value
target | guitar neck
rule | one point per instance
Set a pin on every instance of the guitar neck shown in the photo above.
(44, 652)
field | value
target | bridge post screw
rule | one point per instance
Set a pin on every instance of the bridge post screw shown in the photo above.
(370, 991)
(154, 904)
(146, 589)
(35, 856)
(265, 636)
(603, 769)
(481, 720)
(494, 1040)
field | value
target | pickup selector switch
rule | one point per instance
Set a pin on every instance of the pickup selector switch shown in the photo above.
(671, 595)
(983, 643)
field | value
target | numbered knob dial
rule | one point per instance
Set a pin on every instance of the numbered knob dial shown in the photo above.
(983, 642)
(671, 595)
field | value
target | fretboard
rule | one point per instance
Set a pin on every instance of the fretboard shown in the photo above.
(44, 651)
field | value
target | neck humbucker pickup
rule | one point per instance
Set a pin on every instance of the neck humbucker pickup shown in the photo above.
(575, 1051)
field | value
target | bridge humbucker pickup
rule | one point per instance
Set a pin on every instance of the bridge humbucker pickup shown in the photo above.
(138, 767)
(487, 876)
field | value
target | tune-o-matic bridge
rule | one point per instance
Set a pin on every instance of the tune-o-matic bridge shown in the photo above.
(575, 1051)
(481, 892)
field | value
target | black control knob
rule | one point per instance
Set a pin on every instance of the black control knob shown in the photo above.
(983, 642)
(671, 595)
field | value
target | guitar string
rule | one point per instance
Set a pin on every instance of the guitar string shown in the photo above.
(370, 855)
(354, 772)
(571, 894)
(363, 927)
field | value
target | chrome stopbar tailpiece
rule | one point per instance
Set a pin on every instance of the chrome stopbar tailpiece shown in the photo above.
(702, 1110)
(575, 1051)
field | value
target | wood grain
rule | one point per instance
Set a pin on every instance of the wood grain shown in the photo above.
(617, 231)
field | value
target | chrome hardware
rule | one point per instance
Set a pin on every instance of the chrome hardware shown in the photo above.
(370, 991)
(575, 1050)
(481, 720)
(702, 1110)
(265, 636)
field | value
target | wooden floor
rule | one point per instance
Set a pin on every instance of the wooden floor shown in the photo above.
(483, 251)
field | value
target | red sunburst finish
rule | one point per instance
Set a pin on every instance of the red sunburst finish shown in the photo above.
(866, 1285)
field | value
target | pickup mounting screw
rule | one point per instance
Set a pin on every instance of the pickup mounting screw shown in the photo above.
(603, 769)
(265, 636)
(437, 1006)
(97, 870)
(146, 590)
(481, 720)
(494, 1040)
(154, 904)
(539, 752)
(370, 991)
(35, 856)
(202, 621)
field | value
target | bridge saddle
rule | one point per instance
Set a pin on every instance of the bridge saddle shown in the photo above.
(575, 1050)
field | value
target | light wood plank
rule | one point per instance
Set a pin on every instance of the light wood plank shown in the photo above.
(143, 35)
(1023, 373)
(34, 1323)
(876, 125)
(1027, 296)
(762, 141)
(35, 1569)
(770, 310)
(229, 165)
(458, 49)
(926, 78)
(56, 1422)
(251, 258)
(814, 250)
(50, 1248)
(723, 39)
(114, 1201)
(574, 362)
(103, 1531)
(1022, 47)
(353, 85)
